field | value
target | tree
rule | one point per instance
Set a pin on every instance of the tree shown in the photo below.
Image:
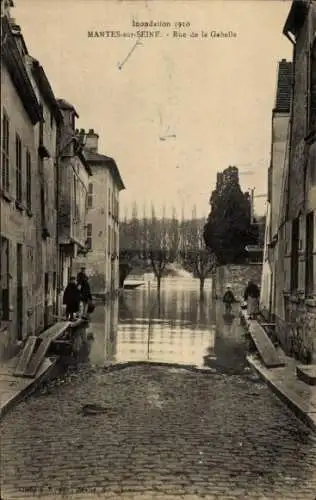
(228, 229)
(129, 244)
(198, 259)
(157, 245)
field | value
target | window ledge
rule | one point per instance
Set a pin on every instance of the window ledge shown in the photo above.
(6, 195)
(310, 301)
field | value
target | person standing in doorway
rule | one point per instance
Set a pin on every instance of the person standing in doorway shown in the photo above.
(251, 296)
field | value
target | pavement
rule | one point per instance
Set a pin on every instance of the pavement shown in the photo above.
(283, 381)
(160, 433)
(14, 389)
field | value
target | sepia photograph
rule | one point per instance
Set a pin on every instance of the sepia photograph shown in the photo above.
(158, 250)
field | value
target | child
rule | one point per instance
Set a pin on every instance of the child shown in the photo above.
(71, 298)
(228, 298)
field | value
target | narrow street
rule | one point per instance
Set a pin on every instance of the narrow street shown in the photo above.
(158, 432)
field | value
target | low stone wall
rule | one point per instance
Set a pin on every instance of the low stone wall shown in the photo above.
(237, 276)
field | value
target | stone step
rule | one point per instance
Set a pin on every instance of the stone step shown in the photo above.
(25, 356)
(307, 374)
(47, 338)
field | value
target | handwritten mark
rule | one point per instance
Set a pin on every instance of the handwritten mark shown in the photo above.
(120, 65)
(165, 137)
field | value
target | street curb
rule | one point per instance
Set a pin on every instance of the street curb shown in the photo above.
(28, 390)
(281, 394)
(180, 366)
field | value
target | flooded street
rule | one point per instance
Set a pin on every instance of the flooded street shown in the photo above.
(179, 326)
(148, 432)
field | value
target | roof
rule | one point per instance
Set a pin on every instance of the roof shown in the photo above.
(284, 86)
(63, 104)
(99, 159)
(46, 90)
(12, 58)
(296, 17)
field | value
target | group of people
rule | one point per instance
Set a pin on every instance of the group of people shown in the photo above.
(251, 298)
(77, 296)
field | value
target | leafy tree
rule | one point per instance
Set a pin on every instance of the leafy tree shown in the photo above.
(228, 229)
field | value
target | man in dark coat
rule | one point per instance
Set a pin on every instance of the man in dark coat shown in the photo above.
(85, 294)
(81, 276)
(71, 298)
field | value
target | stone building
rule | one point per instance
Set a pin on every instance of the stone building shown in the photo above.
(73, 179)
(294, 302)
(102, 257)
(43, 192)
(22, 292)
(270, 300)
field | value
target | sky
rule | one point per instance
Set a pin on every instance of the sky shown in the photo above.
(212, 96)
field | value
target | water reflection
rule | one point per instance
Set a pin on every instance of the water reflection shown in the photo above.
(176, 326)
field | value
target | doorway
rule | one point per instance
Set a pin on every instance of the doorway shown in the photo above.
(19, 294)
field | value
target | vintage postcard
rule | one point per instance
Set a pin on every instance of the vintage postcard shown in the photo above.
(158, 249)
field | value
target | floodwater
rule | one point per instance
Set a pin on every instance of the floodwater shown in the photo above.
(179, 326)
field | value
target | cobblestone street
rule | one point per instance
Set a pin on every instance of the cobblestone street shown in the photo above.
(166, 433)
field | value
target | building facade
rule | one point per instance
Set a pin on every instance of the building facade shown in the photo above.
(22, 293)
(102, 256)
(73, 180)
(43, 193)
(270, 300)
(294, 295)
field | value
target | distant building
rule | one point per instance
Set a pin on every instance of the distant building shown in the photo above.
(73, 180)
(102, 256)
(293, 301)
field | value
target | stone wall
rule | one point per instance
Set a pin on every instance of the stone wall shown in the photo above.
(297, 333)
(237, 276)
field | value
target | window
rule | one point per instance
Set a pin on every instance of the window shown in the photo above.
(294, 254)
(28, 181)
(90, 195)
(312, 106)
(89, 236)
(4, 279)
(18, 167)
(76, 214)
(5, 153)
(309, 264)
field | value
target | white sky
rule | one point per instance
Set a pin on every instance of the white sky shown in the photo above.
(216, 95)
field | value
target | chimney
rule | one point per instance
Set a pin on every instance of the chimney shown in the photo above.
(92, 139)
